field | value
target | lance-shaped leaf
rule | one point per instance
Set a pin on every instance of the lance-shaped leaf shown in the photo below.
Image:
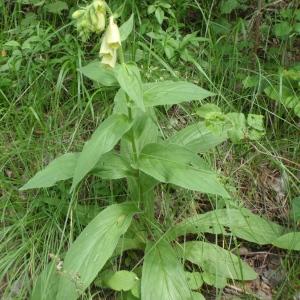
(175, 164)
(91, 250)
(239, 222)
(163, 275)
(99, 73)
(130, 81)
(216, 260)
(102, 141)
(126, 28)
(198, 138)
(172, 92)
(62, 168)
(45, 287)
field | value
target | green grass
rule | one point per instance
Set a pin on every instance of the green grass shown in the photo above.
(47, 108)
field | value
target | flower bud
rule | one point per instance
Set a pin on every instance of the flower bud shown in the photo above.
(101, 22)
(113, 34)
(78, 13)
(93, 19)
(99, 6)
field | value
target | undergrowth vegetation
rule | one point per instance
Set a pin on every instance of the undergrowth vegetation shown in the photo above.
(149, 149)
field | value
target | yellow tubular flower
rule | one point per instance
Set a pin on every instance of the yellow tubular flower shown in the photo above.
(113, 34)
(105, 49)
(110, 43)
(110, 60)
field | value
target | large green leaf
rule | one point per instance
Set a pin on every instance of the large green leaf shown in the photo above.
(171, 92)
(61, 168)
(113, 166)
(91, 250)
(163, 275)
(216, 260)
(99, 73)
(198, 138)
(175, 164)
(110, 166)
(102, 141)
(129, 78)
(240, 222)
(290, 241)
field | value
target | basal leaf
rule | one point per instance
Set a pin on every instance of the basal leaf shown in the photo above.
(122, 280)
(163, 275)
(175, 164)
(102, 141)
(91, 250)
(197, 296)
(290, 241)
(194, 280)
(207, 109)
(99, 73)
(214, 280)
(197, 138)
(239, 222)
(46, 285)
(171, 92)
(216, 260)
(129, 78)
(62, 168)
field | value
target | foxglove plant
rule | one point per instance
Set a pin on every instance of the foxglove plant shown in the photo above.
(127, 145)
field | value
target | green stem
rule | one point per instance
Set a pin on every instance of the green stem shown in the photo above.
(148, 206)
(131, 133)
(132, 137)
(121, 55)
(134, 150)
